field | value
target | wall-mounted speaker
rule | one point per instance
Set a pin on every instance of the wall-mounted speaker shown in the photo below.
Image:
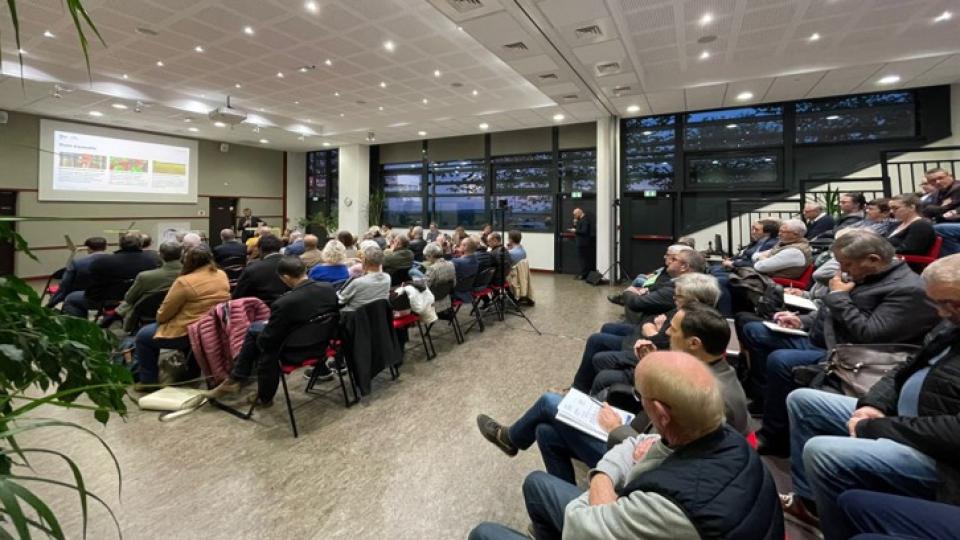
(224, 147)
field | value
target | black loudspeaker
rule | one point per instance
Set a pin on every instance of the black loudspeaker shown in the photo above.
(594, 277)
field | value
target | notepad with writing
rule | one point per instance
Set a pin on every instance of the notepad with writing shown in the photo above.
(799, 302)
(784, 330)
(580, 411)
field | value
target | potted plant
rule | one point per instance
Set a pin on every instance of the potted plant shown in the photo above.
(375, 207)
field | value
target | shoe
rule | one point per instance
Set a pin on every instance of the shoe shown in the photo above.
(561, 390)
(616, 298)
(332, 366)
(796, 511)
(224, 389)
(323, 377)
(497, 434)
(254, 399)
(767, 447)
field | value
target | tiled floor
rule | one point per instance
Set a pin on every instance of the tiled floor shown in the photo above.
(407, 462)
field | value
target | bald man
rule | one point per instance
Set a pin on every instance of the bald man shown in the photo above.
(311, 255)
(697, 478)
(231, 251)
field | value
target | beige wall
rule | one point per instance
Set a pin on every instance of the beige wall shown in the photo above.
(253, 174)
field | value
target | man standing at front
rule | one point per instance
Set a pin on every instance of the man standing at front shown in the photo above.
(584, 235)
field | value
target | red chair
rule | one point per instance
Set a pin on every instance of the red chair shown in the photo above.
(803, 282)
(919, 262)
(403, 322)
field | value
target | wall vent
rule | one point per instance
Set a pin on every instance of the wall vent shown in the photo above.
(620, 90)
(570, 97)
(516, 46)
(608, 68)
(548, 77)
(589, 32)
(464, 6)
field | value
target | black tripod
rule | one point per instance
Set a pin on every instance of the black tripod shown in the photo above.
(617, 261)
(506, 304)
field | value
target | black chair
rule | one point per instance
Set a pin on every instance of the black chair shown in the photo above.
(110, 298)
(370, 343)
(442, 290)
(464, 287)
(49, 288)
(481, 290)
(145, 311)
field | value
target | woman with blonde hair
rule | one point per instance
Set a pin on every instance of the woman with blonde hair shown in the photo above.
(331, 268)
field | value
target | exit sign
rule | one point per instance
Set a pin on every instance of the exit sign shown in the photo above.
(576, 195)
(650, 193)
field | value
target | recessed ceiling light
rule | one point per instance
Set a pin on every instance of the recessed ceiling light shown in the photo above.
(120, 106)
(768, 160)
(279, 74)
(304, 69)
(188, 120)
(325, 143)
(380, 108)
(422, 133)
(436, 73)
(96, 113)
(309, 120)
(833, 117)
(743, 96)
(198, 48)
(21, 51)
(159, 63)
(945, 16)
(248, 30)
(484, 125)
(342, 115)
(704, 55)
(731, 126)
(558, 117)
(336, 94)
(814, 37)
(328, 62)
(475, 93)
(424, 101)
(193, 129)
(311, 6)
(706, 19)
(715, 162)
(296, 102)
(219, 124)
(237, 85)
(203, 95)
(48, 34)
(264, 141)
(261, 109)
(383, 84)
(125, 77)
(889, 79)
(648, 133)
(460, 28)
(633, 109)
(389, 46)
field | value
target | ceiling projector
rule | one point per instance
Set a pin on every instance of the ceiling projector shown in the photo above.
(228, 115)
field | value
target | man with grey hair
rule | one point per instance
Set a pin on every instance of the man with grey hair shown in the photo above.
(231, 251)
(869, 300)
(659, 300)
(644, 282)
(373, 285)
(295, 247)
(791, 255)
(818, 222)
(312, 255)
(190, 241)
(902, 437)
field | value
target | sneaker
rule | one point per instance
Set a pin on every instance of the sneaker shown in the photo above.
(332, 366)
(224, 389)
(254, 399)
(324, 376)
(795, 511)
(616, 298)
(497, 434)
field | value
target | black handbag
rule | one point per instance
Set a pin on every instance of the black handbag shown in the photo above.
(853, 369)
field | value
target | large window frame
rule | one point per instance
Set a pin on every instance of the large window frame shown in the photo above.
(396, 192)
(322, 167)
(838, 105)
(475, 176)
(544, 189)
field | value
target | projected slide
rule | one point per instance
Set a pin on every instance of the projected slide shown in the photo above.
(88, 163)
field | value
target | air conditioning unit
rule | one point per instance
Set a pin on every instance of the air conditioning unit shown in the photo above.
(228, 115)
(465, 6)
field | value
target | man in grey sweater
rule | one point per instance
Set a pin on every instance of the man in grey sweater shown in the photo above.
(373, 285)
(696, 478)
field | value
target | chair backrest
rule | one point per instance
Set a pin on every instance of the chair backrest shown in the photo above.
(936, 247)
(233, 261)
(484, 278)
(441, 290)
(146, 308)
(316, 333)
(465, 284)
(807, 275)
(399, 276)
(233, 272)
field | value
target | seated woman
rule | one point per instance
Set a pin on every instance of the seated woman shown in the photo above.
(438, 270)
(200, 287)
(331, 268)
(914, 235)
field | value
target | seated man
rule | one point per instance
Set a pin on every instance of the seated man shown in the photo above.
(696, 330)
(643, 283)
(484, 260)
(312, 255)
(943, 208)
(252, 243)
(790, 257)
(149, 282)
(763, 236)
(818, 222)
(851, 211)
(696, 479)
(260, 278)
(110, 276)
(659, 298)
(880, 516)
(517, 253)
(613, 347)
(499, 257)
(466, 266)
(870, 307)
(903, 437)
(373, 285)
(305, 300)
(399, 258)
(231, 251)
(77, 275)
(417, 243)
(296, 246)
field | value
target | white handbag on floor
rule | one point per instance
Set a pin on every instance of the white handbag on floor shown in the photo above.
(176, 400)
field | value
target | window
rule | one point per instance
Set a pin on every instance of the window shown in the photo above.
(450, 212)
(525, 182)
(403, 193)
(649, 152)
(402, 178)
(458, 193)
(322, 180)
(734, 170)
(727, 129)
(532, 213)
(403, 211)
(867, 117)
(578, 171)
(457, 178)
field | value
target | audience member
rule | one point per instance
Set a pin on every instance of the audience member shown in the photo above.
(145, 243)
(349, 244)
(437, 270)
(914, 235)
(901, 438)
(253, 243)
(651, 280)
(373, 285)
(851, 210)
(311, 255)
(230, 252)
(76, 276)
(871, 515)
(790, 257)
(200, 286)
(484, 260)
(296, 246)
(331, 268)
(877, 217)
(817, 221)
(456, 239)
(484, 232)
(517, 253)
(466, 267)
(658, 298)
(260, 279)
(417, 243)
(945, 206)
(151, 282)
(696, 479)
(191, 240)
(306, 300)
(399, 258)
(110, 276)
(433, 233)
(374, 233)
(869, 306)
(763, 237)
(928, 191)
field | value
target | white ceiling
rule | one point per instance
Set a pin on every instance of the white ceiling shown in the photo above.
(761, 46)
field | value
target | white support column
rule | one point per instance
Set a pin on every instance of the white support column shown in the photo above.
(354, 187)
(606, 192)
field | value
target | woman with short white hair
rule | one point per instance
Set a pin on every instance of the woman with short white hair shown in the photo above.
(331, 268)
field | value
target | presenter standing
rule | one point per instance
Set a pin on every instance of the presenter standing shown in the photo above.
(583, 233)
(245, 224)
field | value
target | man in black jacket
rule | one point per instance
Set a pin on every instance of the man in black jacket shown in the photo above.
(260, 278)
(111, 276)
(305, 300)
(656, 300)
(902, 437)
(230, 252)
(945, 207)
(818, 222)
(584, 236)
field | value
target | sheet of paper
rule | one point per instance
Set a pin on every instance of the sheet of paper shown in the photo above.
(799, 302)
(791, 331)
(580, 411)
